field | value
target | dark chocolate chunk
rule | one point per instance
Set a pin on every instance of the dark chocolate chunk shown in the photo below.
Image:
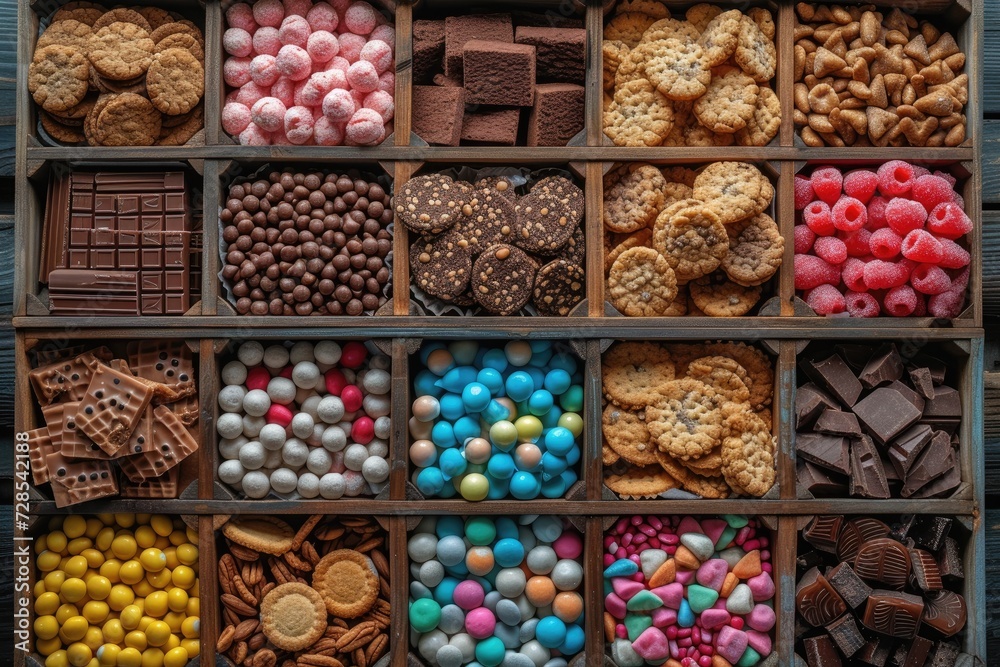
(806, 560)
(882, 368)
(922, 381)
(937, 367)
(929, 532)
(893, 613)
(845, 634)
(821, 652)
(823, 532)
(838, 422)
(945, 611)
(950, 559)
(945, 403)
(498, 72)
(835, 376)
(901, 529)
(827, 451)
(817, 482)
(907, 446)
(936, 459)
(875, 652)
(907, 392)
(816, 600)
(808, 406)
(856, 532)
(438, 114)
(925, 570)
(884, 414)
(848, 584)
(855, 355)
(915, 652)
(867, 473)
(942, 486)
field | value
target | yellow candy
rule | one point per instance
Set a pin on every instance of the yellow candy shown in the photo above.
(130, 657)
(192, 535)
(136, 640)
(96, 611)
(192, 646)
(41, 543)
(177, 599)
(48, 646)
(159, 579)
(130, 617)
(156, 604)
(194, 607)
(95, 559)
(46, 627)
(145, 536)
(157, 633)
(187, 554)
(144, 623)
(191, 627)
(174, 620)
(54, 580)
(153, 560)
(110, 569)
(76, 566)
(171, 554)
(120, 597)
(94, 526)
(74, 628)
(56, 659)
(56, 541)
(131, 572)
(124, 546)
(39, 589)
(73, 590)
(183, 576)
(125, 520)
(79, 654)
(176, 657)
(66, 612)
(195, 590)
(178, 537)
(143, 588)
(79, 545)
(74, 526)
(162, 524)
(47, 561)
(152, 657)
(94, 638)
(173, 641)
(98, 587)
(107, 655)
(104, 538)
(46, 604)
(113, 631)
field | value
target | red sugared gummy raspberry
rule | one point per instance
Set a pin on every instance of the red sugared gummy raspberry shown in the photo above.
(853, 274)
(817, 216)
(921, 309)
(895, 178)
(831, 249)
(861, 304)
(804, 238)
(826, 300)
(885, 243)
(812, 271)
(803, 192)
(947, 305)
(860, 184)
(919, 171)
(921, 246)
(880, 274)
(930, 279)
(932, 190)
(857, 242)
(827, 183)
(949, 220)
(953, 256)
(960, 279)
(904, 215)
(849, 214)
(876, 214)
(900, 301)
(946, 176)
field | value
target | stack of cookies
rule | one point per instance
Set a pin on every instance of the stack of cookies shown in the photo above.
(683, 242)
(700, 80)
(120, 77)
(484, 244)
(687, 416)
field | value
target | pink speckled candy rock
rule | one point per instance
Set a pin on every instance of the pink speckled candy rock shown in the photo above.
(362, 76)
(236, 72)
(299, 124)
(323, 17)
(241, 16)
(237, 42)
(268, 114)
(294, 62)
(387, 82)
(339, 63)
(294, 30)
(268, 13)
(328, 133)
(235, 117)
(382, 103)
(322, 47)
(297, 7)
(366, 128)
(250, 93)
(266, 41)
(284, 90)
(338, 105)
(351, 45)
(361, 18)
(378, 54)
(318, 86)
(385, 33)
(254, 136)
(264, 70)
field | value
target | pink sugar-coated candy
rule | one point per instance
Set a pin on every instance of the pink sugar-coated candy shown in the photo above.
(639, 539)
(235, 117)
(257, 378)
(895, 178)
(338, 105)
(885, 243)
(299, 129)
(385, 33)
(360, 18)
(803, 192)
(294, 62)
(853, 274)
(323, 17)
(663, 617)
(712, 573)
(351, 45)
(760, 642)
(856, 242)
(919, 171)
(946, 176)
(621, 554)
(827, 183)
(761, 618)
(731, 643)
(469, 594)
(620, 526)
(621, 632)
(297, 7)
(269, 113)
(284, 90)
(921, 246)
(326, 132)
(714, 618)
(684, 577)
(608, 559)
(766, 567)
(387, 82)
(319, 85)
(830, 249)
(378, 53)
(652, 645)
(480, 623)
(818, 218)
(264, 71)
(250, 93)
(240, 16)
(860, 184)
(953, 256)
(685, 643)
(714, 528)
(904, 215)
(337, 464)
(358, 97)
(236, 72)
(626, 588)
(931, 190)
(615, 606)
(365, 129)
(669, 538)
(811, 271)
(627, 538)
(949, 220)
(826, 300)
(340, 64)
(362, 76)
(647, 530)
(761, 586)
(237, 42)
(880, 274)
(921, 309)
(876, 214)
(278, 138)
(278, 414)
(294, 30)
(230, 97)
(266, 41)
(322, 47)
(900, 301)
(671, 594)
(689, 525)
(861, 304)
(268, 13)
(568, 545)
(804, 238)
(849, 214)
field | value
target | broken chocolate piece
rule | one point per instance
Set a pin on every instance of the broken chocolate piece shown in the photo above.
(882, 368)
(930, 532)
(945, 611)
(823, 532)
(907, 392)
(173, 445)
(950, 559)
(168, 365)
(907, 446)
(944, 404)
(884, 561)
(916, 652)
(856, 355)
(809, 404)
(847, 583)
(893, 613)
(867, 474)
(925, 570)
(856, 532)
(111, 408)
(66, 379)
(816, 481)
(837, 422)
(821, 652)
(937, 367)
(922, 381)
(835, 376)
(827, 451)
(816, 600)
(875, 652)
(936, 459)
(844, 633)
(39, 447)
(884, 414)
(78, 481)
(945, 655)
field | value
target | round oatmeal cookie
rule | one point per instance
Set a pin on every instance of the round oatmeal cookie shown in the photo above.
(641, 238)
(686, 420)
(121, 51)
(575, 250)
(614, 52)
(678, 307)
(756, 249)
(701, 15)
(691, 238)
(76, 114)
(177, 27)
(762, 17)
(757, 364)
(714, 488)
(633, 197)
(632, 67)
(668, 28)
(262, 533)
(440, 266)
(717, 296)
(674, 192)
(58, 78)
(640, 115)
(699, 135)
(640, 482)
(90, 127)
(634, 372)
(755, 53)
(123, 15)
(293, 616)
(129, 120)
(609, 457)
(347, 581)
(181, 133)
(181, 40)
(548, 215)
(87, 15)
(653, 8)
(748, 454)
(60, 132)
(102, 85)
(677, 68)
(734, 191)
(625, 432)
(729, 103)
(431, 203)
(66, 33)
(724, 375)
(559, 286)
(155, 16)
(628, 28)
(765, 122)
(720, 36)
(641, 283)
(709, 465)
(175, 81)
(502, 279)
(678, 174)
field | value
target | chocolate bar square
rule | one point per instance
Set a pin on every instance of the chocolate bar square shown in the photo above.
(112, 407)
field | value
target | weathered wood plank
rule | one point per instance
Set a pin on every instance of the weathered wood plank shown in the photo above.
(991, 58)
(992, 601)
(991, 264)
(991, 158)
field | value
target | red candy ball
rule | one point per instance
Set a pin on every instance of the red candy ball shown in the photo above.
(352, 398)
(353, 355)
(278, 414)
(362, 430)
(335, 381)
(258, 378)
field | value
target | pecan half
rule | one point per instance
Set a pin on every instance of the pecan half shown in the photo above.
(237, 605)
(225, 639)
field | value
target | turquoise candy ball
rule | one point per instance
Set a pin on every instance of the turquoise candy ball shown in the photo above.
(449, 525)
(501, 466)
(490, 652)
(572, 400)
(524, 486)
(506, 528)
(498, 488)
(496, 359)
(456, 379)
(550, 632)
(452, 406)
(452, 463)
(495, 412)
(540, 402)
(443, 434)
(564, 361)
(554, 488)
(480, 530)
(465, 428)
(476, 396)
(425, 614)
(430, 481)
(508, 552)
(492, 379)
(551, 418)
(424, 384)
(519, 386)
(574, 641)
(559, 441)
(444, 593)
(552, 465)
(557, 381)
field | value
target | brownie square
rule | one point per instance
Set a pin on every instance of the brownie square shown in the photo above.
(437, 114)
(428, 49)
(460, 29)
(495, 126)
(499, 73)
(557, 115)
(562, 52)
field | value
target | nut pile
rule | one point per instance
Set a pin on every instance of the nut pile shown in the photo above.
(702, 80)
(310, 597)
(868, 78)
(683, 242)
(307, 244)
(687, 416)
(120, 77)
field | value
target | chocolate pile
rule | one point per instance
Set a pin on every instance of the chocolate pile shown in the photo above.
(877, 593)
(307, 244)
(103, 413)
(873, 425)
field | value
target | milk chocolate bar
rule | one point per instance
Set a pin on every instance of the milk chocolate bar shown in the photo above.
(79, 481)
(164, 486)
(39, 447)
(66, 379)
(167, 364)
(111, 409)
(173, 445)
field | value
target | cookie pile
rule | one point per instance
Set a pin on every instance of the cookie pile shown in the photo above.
(683, 242)
(485, 244)
(687, 416)
(688, 591)
(308, 74)
(866, 77)
(702, 80)
(891, 242)
(316, 595)
(120, 77)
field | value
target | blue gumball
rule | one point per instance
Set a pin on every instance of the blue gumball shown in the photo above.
(465, 428)
(456, 379)
(508, 552)
(552, 465)
(424, 384)
(559, 441)
(495, 412)
(539, 345)
(519, 386)
(506, 528)
(430, 481)
(452, 463)
(499, 488)
(452, 406)
(501, 466)
(496, 359)
(573, 455)
(554, 488)
(444, 593)
(540, 402)
(492, 379)
(557, 381)
(475, 396)
(443, 434)
(524, 485)
(537, 376)
(574, 641)
(551, 418)
(550, 632)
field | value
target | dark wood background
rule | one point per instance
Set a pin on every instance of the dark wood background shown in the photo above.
(991, 299)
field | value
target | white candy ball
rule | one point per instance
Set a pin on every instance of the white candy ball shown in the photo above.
(229, 425)
(378, 448)
(355, 456)
(308, 485)
(275, 357)
(305, 374)
(376, 405)
(319, 461)
(250, 353)
(330, 409)
(256, 402)
(294, 452)
(375, 469)
(252, 455)
(284, 480)
(253, 425)
(234, 373)
(430, 643)
(315, 439)
(231, 397)
(332, 486)
(273, 460)
(383, 427)
(334, 439)
(272, 436)
(256, 484)
(230, 448)
(231, 472)
(281, 390)
(431, 573)
(356, 484)
(301, 351)
(302, 395)
(377, 381)
(302, 425)
(327, 352)
(310, 405)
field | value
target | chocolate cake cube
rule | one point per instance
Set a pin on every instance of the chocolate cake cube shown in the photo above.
(557, 115)
(460, 29)
(437, 114)
(428, 49)
(496, 126)
(562, 52)
(499, 73)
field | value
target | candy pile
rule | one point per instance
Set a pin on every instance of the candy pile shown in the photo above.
(691, 591)
(496, 590)
(489, 422)
(303, 420)
(315, 595)
(308, 74)
(887, 241)
(701, 80)
(117, 589)
(682, 242)
(874, 592)
(866, 77)
(687, 416)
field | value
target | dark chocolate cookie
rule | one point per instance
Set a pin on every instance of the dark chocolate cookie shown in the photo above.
(548, 215)
(502, 279)
(559, 286)
(499, 185)
(431, 203)
(575, 250)
(492, 220)
(440, 267)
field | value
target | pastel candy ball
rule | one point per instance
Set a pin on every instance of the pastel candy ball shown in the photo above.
(542, 559)
(508, 552)
(256, 484)
(231, 472)
(253, 135)
(378, 53)
(524, 486)
(338, 105)
(550, 632)
(308, 485)
(363, 76)
(268, 114)
(478, 450)
(568, 545)
(474, 487)
(572, 422)
(387, 82)
(322, 17)
(423, 453)
(299, 125)
(479, 561)
(294, 62)
(365, 128)
(294, 30)
(360, 18)
(540, 591)
(240, 16)
(452, 619)
(264, 70)
(449, 656)
(568, 606)
(422, 547)
(284, 480)
(350, 46)
(375, 469)
(567, 575)
(451, 550)
(424, 615)
(268, 13)
(266, 41)
(480, 623)
(384, 33)
(297, 7)
(469, 595)
(237, 42)
(322, 47)
(510, 582)
(236, 72)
